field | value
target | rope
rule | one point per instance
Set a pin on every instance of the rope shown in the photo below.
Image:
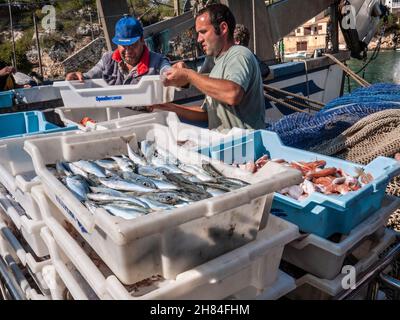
(293, 95)
(285, 104)
(374, 135)
(351, 73)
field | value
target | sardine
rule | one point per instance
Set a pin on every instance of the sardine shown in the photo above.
(197, 172)
(131, 176)
(90, 167)
(184, 183)
(124, 164)
(169, 168)
(148, 149)
(164, 185)
(91, 206)
(77, 171)
(63, 169)
(103, 197)
(211, 170)
(165, 197)
(155, 205)
(123, 185)
(215, 192)
(123, 212)
(118, 195)
(151, 172)
(136, 158)
(107, 164)
(78, 186)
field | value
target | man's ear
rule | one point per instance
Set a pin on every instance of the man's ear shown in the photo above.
(223, 28)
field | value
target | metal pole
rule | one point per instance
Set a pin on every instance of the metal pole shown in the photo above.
(12, 36)
(254, 27)
(334, 11)
(38, 44)
(177, 8)
(91, 22)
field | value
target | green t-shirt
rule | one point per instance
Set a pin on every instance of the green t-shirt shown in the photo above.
(239, 65)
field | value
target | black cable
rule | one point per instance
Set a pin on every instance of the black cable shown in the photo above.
(375, 53)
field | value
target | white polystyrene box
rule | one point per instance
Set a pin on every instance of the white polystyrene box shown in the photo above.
(97, 93)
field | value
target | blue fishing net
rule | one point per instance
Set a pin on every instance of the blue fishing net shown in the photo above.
(302, 130)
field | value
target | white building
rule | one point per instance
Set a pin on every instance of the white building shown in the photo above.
(394, 5)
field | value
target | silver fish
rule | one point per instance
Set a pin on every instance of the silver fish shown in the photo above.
(164, 185)
(107, 164)
(167, 156)
(136, 158)
(148, 149)
(170, 168)
(151, 172)
(124, 164)
(233, 182)
(78, 186)
(123, 212)
(62, 168)
(77, 171)
(155, 205)
(118, 195)
(124, 185)
(139, 179)
(185, 184)
(197, 172)
(211, 170)
(90, 167)
(103, 197)
(165, 197)
(91, 206)
(215, 192)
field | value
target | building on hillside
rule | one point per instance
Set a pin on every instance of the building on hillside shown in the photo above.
(394, 6)
(309, 37)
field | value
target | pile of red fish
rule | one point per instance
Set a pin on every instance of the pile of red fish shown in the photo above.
(317, 177)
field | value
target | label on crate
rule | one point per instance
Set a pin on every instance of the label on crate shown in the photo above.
(108, 98)
(81, 227)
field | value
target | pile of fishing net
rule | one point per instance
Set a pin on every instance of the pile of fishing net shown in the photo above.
(305, 131)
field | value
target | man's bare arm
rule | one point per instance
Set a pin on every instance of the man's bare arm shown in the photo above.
(222, 90)
(191, 113)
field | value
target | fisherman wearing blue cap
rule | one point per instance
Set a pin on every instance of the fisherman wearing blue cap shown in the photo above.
(130, 61)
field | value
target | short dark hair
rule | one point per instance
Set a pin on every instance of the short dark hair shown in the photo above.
(219, 13)
(242, 35)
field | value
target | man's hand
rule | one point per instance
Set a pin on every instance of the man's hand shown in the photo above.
(7, 71)
(177, 77)
(75, 76)
(180, 65)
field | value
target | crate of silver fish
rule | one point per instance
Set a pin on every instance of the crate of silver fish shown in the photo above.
(146, 208)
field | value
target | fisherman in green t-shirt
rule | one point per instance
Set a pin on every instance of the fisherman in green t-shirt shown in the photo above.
(233, 89)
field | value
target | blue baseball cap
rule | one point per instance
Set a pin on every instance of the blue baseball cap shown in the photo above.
(128, 30)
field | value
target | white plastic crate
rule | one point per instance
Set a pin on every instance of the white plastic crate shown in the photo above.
(97, 93)
(29, 228)
(193, 137)
(324, 258)
(282, 286)
(158, 243)
(10, 245)
(112, 117)
(63, 270)
(255, 264)
(310, 287)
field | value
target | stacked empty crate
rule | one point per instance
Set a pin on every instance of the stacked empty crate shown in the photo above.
(19, 211)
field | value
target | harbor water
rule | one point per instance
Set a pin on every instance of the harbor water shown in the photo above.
(385, 68)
